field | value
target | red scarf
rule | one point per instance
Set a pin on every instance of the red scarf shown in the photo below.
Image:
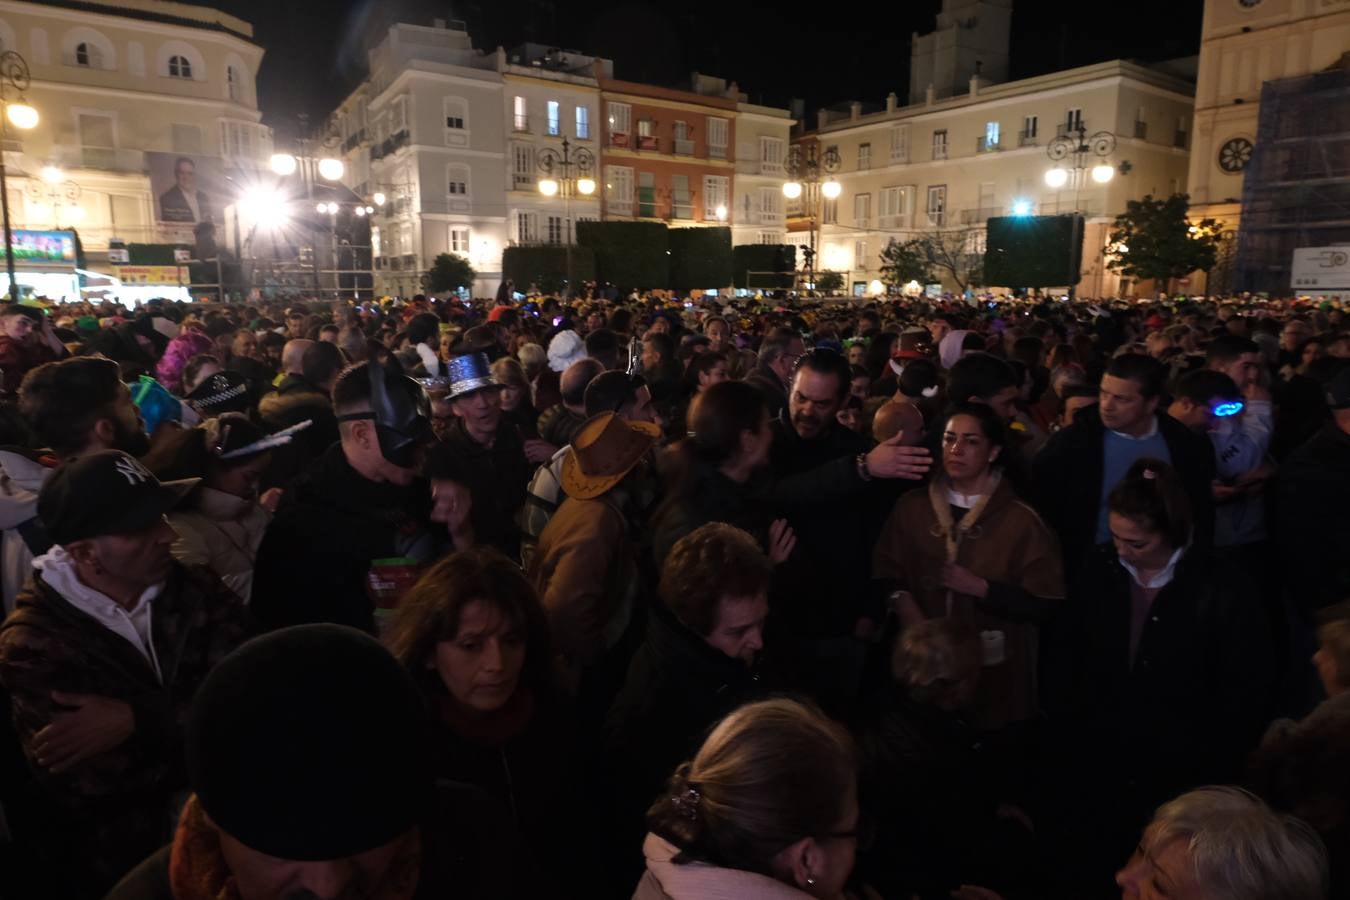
(197, 868)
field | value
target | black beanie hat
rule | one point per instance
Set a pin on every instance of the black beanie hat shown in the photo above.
(309, 744)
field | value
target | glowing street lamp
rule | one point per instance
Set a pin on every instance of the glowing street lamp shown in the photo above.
(21, 115)
(1057, 177)
(792, 190)
(831, 189)
(379, 198)
(13, 75)
(807, 165)
(1103, 173)
(548, 187)
(331, 169)
(721, 212)
(586, 186)
(283, 164)
(567, 171)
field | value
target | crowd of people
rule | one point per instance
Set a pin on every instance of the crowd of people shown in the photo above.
(709, 599)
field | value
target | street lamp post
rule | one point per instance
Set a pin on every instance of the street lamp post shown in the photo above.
(13, 76)
(808, 166)
(311, 169)
(1074, 152)
(567, 172)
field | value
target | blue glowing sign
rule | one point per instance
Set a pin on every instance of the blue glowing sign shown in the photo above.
(1224, 410)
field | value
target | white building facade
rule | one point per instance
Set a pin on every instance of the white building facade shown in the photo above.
(763, 135)
(124, 92)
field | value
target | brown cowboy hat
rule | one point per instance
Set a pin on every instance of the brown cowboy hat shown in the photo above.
(605, 449)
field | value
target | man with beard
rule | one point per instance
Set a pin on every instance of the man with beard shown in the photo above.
(76, 407)
(822, 473)
(349, 536)
(101, 658)
(484, 453)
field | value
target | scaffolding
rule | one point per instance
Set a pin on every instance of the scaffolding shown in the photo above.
(1296, 191)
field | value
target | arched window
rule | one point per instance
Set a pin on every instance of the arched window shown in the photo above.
(88, 55)
(179, 67)
(232, 83)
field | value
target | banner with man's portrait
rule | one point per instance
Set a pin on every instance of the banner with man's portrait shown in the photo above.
(188, 188)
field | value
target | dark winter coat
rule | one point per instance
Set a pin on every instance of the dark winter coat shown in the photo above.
(1188, 708)
(1313, 519)
(1067, 479)
(677, 688)
(115, 808)
(314, 565)
(713, 497)
(294, 401)
(817, 487)
(497, 478)
(770, 386)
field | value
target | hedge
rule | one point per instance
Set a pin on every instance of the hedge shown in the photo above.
(546, 267)
(628, 254)
(699, 258)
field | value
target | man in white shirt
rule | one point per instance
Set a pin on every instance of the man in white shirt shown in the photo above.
(101, 658)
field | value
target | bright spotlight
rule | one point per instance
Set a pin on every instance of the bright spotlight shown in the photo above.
(379, 198)
(283, 164)
(263, 206)
(331, 169)
(360, 211)
(1021, 207)
(1057, 177)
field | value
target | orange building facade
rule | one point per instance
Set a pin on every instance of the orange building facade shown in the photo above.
(666, 155)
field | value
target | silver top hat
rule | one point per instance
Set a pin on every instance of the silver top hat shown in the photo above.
(469, 373)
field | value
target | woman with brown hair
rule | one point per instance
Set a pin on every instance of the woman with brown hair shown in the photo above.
(517, 407)
(473, 635)
(766, 810)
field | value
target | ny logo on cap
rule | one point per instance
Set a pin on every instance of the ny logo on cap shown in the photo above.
(132, 471)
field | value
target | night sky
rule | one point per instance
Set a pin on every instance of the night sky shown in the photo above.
(850, 50)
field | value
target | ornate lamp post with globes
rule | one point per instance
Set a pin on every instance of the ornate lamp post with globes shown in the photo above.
(1074, 152)
(13, 77)
(567, 172)
(807, 166)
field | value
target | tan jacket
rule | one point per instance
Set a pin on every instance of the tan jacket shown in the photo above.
(668, 880)
(223, 533)
(1002, 541)
(586, 576)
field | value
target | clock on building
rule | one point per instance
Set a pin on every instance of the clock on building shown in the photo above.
(1235, 154)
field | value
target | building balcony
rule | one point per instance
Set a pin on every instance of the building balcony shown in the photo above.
(684, 147)
(682, 209)
(939, 151)
(889, 222)
(715, 152)
(937, 218)
(104, 159)
(1026, 138)
(619, 207)
(619, 139)
(520, 124)
(984, 145)
(649, 142)
(353, 139)
(979, 216)
(390, 145)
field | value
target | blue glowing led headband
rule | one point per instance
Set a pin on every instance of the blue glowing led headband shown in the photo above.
(1223, 410)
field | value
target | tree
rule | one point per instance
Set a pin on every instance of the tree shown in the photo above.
(949, 250)
(904, 262)
(449, 273)
(699, 258)
(1157, 241)
(829, 282)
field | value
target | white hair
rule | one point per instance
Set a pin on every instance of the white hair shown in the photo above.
(1240, 849)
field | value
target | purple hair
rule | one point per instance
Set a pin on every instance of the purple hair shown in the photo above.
(182, 348)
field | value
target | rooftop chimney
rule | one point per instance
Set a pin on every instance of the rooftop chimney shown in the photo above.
(854, 111)
(891, 102)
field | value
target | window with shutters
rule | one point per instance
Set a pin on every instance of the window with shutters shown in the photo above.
(459, 240)
(619, 189)
(681, 200)
(769, 200)
(717, 138)
(555, 229)
(937, 205)
(583, 123)
(940, 144)
(862, 210)
(860, 254)
(899, 143)
(770, 156)
(527, 227)
(554, 118)
(864, 157)
(715, 194)
(893, 208)
(233, 85)
(646, 195)
(522, 167)
(456, 111)
(620, 122)
(520, 114)
(457, 181)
